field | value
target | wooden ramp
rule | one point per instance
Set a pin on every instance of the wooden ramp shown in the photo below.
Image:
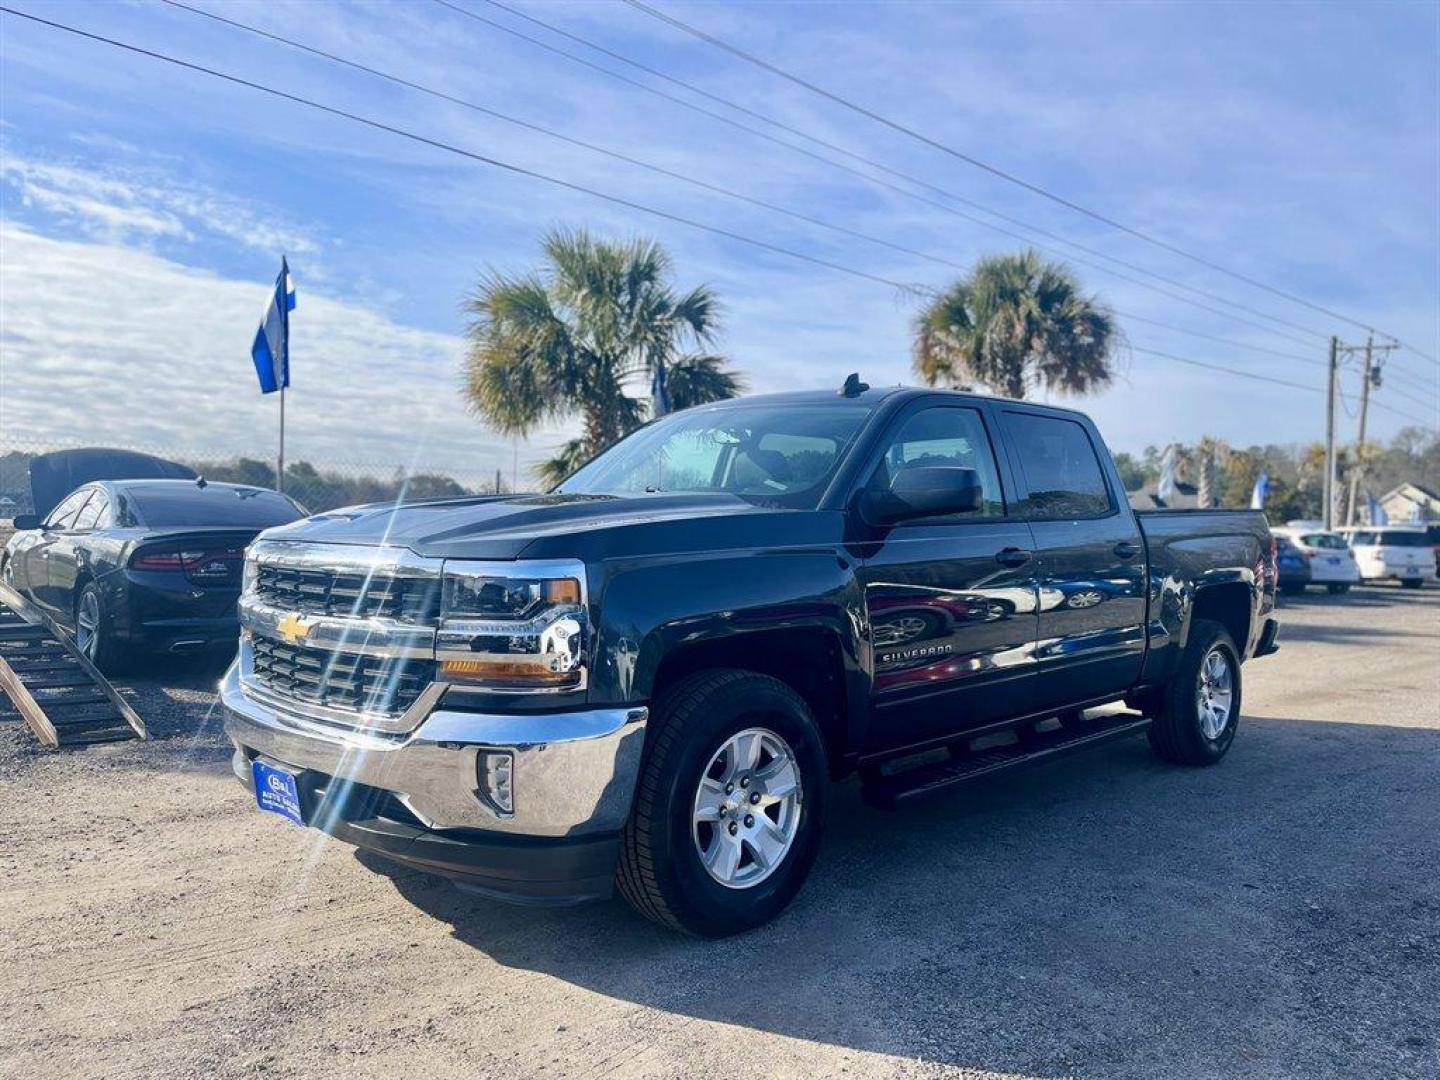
(57, 690)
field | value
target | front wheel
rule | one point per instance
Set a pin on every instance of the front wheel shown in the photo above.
(730, 805)
(1200, 707)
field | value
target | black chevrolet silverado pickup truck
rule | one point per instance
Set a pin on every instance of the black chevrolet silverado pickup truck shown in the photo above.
(649, 677)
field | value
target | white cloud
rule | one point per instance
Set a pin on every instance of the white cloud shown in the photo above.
(102, 343)
(138, 204)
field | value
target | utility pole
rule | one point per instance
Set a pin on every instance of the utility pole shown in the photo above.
(1328, 510)
(1372, 380)
(1360, 442)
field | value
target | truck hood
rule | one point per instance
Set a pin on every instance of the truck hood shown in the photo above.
(500, 527)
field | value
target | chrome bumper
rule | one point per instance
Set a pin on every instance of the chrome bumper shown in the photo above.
(574, 772)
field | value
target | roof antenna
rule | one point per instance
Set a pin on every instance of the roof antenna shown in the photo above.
(853, 386)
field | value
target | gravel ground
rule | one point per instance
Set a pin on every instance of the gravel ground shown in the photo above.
(1104, 916)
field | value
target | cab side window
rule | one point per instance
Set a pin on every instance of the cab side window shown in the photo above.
(63, 516)
(1062, 472)
(945, 436)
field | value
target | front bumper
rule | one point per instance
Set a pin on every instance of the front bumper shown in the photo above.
(414, 798)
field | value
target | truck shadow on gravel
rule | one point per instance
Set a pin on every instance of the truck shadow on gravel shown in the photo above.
(1106, 915)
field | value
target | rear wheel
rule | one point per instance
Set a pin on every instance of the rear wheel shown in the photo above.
(94, 633)
(1200, 706)
(1413, 582)
(1292, 588)
(730, 805)
(1338, 587)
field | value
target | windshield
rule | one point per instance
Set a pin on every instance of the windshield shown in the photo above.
(781, 455)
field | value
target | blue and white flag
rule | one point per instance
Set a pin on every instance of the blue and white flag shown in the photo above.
(1259, 493)
(659, 399)
(271, 351)
(1165, 490)
(1377, 513)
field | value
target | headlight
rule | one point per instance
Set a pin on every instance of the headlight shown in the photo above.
(517, 628)
(248, 575)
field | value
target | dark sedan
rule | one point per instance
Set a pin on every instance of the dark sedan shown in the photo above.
(1292, 567)
(150, 565)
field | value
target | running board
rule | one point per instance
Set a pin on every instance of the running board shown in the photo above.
(58, 691)
(889, 792)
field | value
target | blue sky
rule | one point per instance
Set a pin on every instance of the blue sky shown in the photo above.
(145, 208)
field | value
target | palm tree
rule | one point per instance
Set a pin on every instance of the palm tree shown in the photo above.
(1017, 322)
(566, 340)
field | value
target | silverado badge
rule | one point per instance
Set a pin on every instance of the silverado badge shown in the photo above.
(293, 628)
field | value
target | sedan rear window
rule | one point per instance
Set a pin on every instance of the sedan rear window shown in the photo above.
(1324, 540)
(1405, 538)
(187, 504)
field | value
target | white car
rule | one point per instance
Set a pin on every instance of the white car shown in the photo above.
(1405, 553)
(1332, 563)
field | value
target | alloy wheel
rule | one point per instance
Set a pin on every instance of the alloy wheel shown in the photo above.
(1215, 693)
(87, 624)
(746, 812)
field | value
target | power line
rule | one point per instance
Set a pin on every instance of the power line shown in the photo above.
(1223, 341)
(1228, 370)
(592, 147)
(484, 159)
(994, 170)
(661, 170)
(871, 162)
(1404, 378)
(1433, 422)
(533, 174)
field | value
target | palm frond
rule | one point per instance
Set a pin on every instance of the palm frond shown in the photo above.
(553, 471)
(1015, 322)
(698, 379)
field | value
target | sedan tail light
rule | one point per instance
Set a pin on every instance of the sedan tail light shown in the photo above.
(201, 564)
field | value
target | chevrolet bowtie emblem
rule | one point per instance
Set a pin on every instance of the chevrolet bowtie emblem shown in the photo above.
(293, 628)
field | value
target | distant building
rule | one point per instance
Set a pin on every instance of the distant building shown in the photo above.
(1402, 504)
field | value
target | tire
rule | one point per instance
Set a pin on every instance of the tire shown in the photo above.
(1072, 719)
(95, 633)
(1179, 733)
(1292, 588)
(1338, 587)
(1413, 582)
(662, 872)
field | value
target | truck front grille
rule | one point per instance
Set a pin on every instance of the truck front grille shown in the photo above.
(369, 684)
(355, 593)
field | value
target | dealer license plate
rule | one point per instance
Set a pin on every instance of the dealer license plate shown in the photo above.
(276, 791)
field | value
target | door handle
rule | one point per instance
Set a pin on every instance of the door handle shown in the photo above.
(1012, 556)
(1126, 549)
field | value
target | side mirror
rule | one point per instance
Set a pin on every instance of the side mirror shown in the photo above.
(23, 522)
(925, 491)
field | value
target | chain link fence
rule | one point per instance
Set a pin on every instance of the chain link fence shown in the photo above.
(315, 484)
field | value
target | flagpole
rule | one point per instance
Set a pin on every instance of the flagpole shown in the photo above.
(280, 463)
(284, 364)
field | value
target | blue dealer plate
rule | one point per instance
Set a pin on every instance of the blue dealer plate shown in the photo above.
(276, 792)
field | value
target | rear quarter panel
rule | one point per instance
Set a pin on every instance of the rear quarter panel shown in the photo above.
(1191, 551)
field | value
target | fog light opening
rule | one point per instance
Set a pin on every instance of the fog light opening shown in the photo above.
(495, 773)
